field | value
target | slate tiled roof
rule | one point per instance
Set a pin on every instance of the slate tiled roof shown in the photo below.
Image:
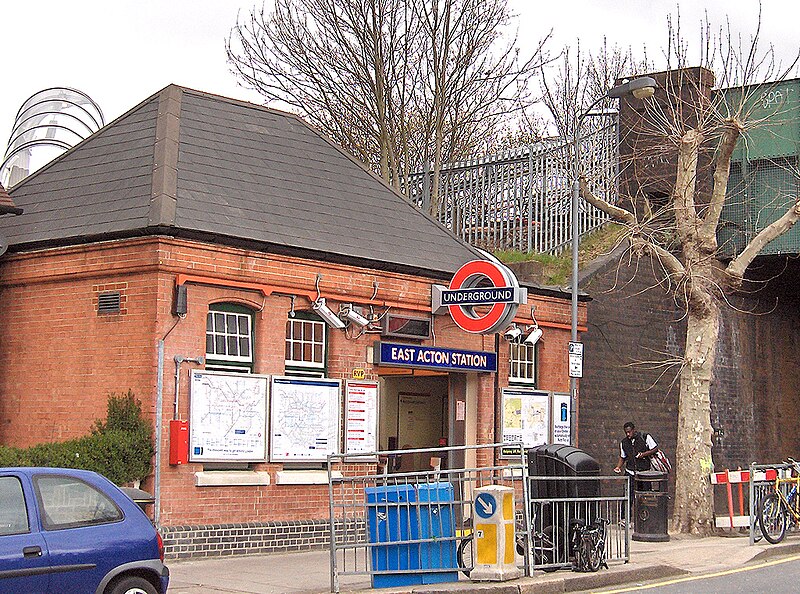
(188, 163)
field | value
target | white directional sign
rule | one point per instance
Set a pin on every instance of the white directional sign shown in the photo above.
(576, 359)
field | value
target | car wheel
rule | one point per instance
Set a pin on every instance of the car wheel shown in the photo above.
(132, 585)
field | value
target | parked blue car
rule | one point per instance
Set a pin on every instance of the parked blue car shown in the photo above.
(65, 530)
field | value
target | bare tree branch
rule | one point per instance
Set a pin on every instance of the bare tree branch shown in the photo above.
(736, 268)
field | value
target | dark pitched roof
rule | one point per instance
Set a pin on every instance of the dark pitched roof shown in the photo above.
(7, 205)
(192, 164)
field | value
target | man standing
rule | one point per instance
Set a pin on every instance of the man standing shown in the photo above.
(634, 451)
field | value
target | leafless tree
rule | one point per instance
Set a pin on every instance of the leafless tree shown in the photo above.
(574, 81)
(397, 83)
(681, 234)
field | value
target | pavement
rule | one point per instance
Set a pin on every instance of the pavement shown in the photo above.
(309, 572)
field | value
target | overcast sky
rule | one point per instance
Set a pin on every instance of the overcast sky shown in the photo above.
(121, 51)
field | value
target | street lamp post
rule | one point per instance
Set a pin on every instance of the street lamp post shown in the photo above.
(641, 88)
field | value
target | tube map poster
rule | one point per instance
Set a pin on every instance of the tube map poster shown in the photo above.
(304, 419)
(227, 417)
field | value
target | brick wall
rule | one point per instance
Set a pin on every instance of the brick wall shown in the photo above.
(633, 326)
(754, 393)
(61, 360)
(244, 538)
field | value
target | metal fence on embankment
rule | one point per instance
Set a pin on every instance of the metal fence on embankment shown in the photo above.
(520, 199)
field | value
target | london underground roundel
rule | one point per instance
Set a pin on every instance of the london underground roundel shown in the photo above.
(489, 285)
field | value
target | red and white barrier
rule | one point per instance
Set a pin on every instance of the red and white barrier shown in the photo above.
(739, 478)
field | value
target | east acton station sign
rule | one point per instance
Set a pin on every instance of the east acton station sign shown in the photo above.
(482, 298)
(410, 355)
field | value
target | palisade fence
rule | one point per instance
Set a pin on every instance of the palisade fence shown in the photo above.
(520, 200)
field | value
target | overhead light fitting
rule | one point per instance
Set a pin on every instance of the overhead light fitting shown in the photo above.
(326, 314)
(346, 312)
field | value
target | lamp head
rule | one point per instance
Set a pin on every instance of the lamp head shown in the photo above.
(641, 88)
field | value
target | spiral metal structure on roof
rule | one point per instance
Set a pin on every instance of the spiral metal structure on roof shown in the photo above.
(49, 123)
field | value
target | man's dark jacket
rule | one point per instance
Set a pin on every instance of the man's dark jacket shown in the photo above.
(633, 446)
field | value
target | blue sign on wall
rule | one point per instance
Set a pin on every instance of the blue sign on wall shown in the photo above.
(412, 355)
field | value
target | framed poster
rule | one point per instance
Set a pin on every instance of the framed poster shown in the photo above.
(526, 418)
(361, 417)
(227, 417)
(562, 419)
(304, 419)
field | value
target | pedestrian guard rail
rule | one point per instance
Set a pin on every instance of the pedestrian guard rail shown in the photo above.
(408, 528)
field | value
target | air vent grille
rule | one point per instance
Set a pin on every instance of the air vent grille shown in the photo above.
(108, 303)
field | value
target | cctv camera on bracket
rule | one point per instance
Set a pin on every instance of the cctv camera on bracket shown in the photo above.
(512, 333)
(533, 337)
(346, 312)
(326, 314)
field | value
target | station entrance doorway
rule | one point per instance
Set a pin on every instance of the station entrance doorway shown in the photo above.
(423, 411)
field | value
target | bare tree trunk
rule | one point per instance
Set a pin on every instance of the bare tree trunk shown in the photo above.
(693, 511)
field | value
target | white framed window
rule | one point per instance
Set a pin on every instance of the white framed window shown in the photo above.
(306, 346)
(229, 337)
(522, 363)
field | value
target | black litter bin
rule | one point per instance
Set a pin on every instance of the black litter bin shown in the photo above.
(555, 460)
(650, 506)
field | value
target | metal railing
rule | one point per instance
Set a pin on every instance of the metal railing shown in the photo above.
(593, 498)
(520, 200)
(760, 487)
(407, 528)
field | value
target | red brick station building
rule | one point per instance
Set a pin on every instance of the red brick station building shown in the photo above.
(245, 278)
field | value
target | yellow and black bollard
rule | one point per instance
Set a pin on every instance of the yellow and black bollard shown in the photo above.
(495, 549)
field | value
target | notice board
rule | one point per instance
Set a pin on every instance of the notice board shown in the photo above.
(227, 417)
(361, 417)
(526, 417)
(304, 419)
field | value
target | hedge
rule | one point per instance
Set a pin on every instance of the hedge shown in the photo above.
(120, 448)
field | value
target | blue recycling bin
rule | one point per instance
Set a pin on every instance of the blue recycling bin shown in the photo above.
(392, 516)
(397, 513)
(436, 522)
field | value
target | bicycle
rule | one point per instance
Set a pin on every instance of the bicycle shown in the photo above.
(589, 545)
(544, 547)
(774, 509)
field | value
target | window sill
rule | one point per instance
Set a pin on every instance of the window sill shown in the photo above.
(226, 478)
(305, 477)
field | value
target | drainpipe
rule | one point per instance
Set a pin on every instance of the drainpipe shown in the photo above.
(159, 424)
(498, 435)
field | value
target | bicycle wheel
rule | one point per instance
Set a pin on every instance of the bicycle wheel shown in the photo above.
(547, 548)
(772, 518)
(594, 558)
(465, 555)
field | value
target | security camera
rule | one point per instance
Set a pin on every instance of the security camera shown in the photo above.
(348, 313)
(512, 333)
(326, 314)
(533, 337)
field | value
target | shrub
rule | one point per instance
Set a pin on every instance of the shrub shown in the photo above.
(120, 448)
